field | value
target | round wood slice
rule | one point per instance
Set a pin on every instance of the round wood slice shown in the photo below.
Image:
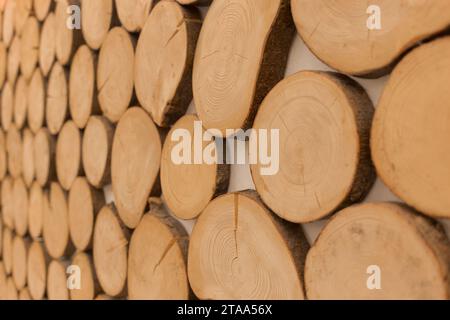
(3, 156)
(188, 188)
(3, 66)
(115, 73)
(20, 101)
(29, 47)
(56, 224)
(7, 250)
(57, 281)
(411, 128)
(84, 204)
(43, 8)
(19, 261)
(323, 120)
(157, 259)
(133, 13)
(241, 250)
(2, 282)
(28, 157)
(110, 251)
(7, 106)
(67, 40)
(96, 151)
(13, 60)
(36, 101)
(195, 2)
(89, 285)
(20, 196)
(21, 14)
(68, 154)
(38, 261)
(7, 202)
(389, 236)
(14, 149)
(37, 199)
(164, 59)
(96, 20)
(136, 149)
(24, 294)
(44, 157)
(338, 32)
(82, 87)
(47, 46)
(8, 22)
(11, 291)
(57, 109)
(241, 54)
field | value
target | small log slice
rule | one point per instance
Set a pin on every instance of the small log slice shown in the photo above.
(7, 202)
(28, 171)
(96, 151)
(115, 73)
(14, 149)
(47, 46)
(20, 102)
(97, 17)
(37, 200)
(82, 86)
(411, 129)
(157, 259)
(188, 188)
(3, 156)
(3, 65)
(20, 197)
(164, 59)
(67, 40)
(21, 13)
(7, 251)
(411, 252)
(133, 13)
(136, 149)
(57, 281)
(68, 154)
(57, 109)
(88, 283)
(7, 105)
(110, 252)
(241, 54)
(29, 47)
(43, 8)
(8, 22)
(44, 157)
(14, 53)
(36, 101)
(19, 261)
(38, 261)
(84, 204)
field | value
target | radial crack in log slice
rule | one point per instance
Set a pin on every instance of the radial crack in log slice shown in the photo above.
(164, 59)
(241, 54)
(157, 259)
(135, 164)
(345, 35)
(323, 122)
(240, 250)
(410, 144)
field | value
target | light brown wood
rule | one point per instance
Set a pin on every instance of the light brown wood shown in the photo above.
(56, 224)
(21, 14)
(43, 8)
(115, 74)
(57, 280)
(7, 104)
(24, 294)
(241, 54)
(57, 109)
(28, 157)
(164, 59)
(11, 291)
(157, 259)
(1, 238)
(29, 47)
(7, 202)
(338, 33)
(36, 101)
(3, 65)
(20, 102)
(19, 261)
(84, 203)
(104, 297)
(37, 200)
(386, 235)
(14, 149)
(8, 22)
(82, 86)
(136, 149)
(7, 251)
(96, 151)
(89, 285)
(110, 251)
(68, 154)
(13, 60)
(195, 2)
(44, 157)
(38, 262)
(240, 250)
(67, 40)
(2, 282)
(133, 13)
(409, 144)
(3, 156)
(47, 45)
(188, 188)
(20, 198)
(97, 17)
(324, 122)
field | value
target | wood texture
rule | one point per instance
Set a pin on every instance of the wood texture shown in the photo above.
(47, 45)
(133, 13)
(67, 40)
(14, 149)
(28, 171)
(57, 99)
(44, 157)
(97, 17)
(13, 60)
(38, 198)
(57, 280)
(36, 101)
(19, 261)
(7, 103)
(29, 46)
(89, 285)
(20, 102)
(20, 198)
(38, 261)
(43, 8)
